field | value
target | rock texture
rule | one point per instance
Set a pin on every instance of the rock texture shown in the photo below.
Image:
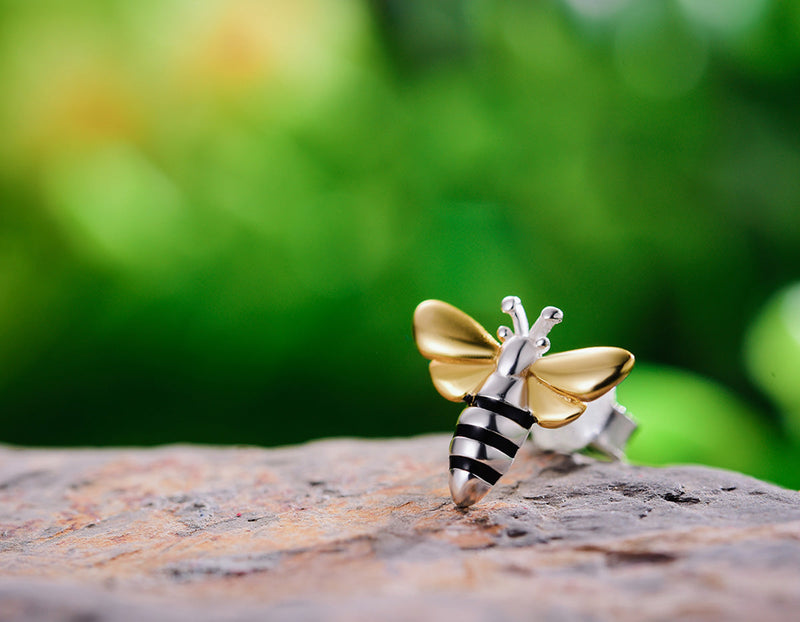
(365, 530)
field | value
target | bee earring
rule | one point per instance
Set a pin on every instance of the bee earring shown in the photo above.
(604, 426)
(511, 387)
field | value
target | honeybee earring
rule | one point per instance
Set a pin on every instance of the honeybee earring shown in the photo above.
(510, 387)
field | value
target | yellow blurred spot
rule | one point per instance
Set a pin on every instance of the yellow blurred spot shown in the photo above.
(62, 102)
(233, 47)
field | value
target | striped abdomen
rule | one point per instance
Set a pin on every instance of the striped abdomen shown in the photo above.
(487, 437)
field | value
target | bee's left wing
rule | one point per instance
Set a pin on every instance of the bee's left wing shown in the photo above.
(559, 383)
(445, 333)
(455, 381)
(462, 353)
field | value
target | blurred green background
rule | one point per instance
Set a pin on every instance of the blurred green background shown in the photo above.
(217, 217)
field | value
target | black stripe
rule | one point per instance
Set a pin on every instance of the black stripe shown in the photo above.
(487, 437)
(484, 471)
(504, 409)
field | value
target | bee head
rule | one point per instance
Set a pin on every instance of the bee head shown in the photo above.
(523, 345)
(549, 317)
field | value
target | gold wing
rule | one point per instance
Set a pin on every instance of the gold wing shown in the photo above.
(551, 408)
(444, 333)
(559, 383)
(462, 353)
(455, 381)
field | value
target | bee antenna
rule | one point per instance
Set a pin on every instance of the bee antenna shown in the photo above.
(504, 332)
(549, 317)
(513, 306)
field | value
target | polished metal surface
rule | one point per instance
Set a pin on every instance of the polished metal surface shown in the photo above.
(615, 434)
(552, 409)
(455, 381)
(504, 332)
(467, 489)
(519, 353)
(510, 389)
(587, 373)
(476, 450)
(520, 385)
(605, 426)
(445, 333)
(496, 423)
(513, 306)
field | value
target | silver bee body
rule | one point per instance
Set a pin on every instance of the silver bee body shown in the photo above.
(508, 387)
(494, 427)
(466, 486)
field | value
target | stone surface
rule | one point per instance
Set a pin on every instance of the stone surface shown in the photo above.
(365, 530)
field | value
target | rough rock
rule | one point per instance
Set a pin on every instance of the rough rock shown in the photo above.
(365, 530)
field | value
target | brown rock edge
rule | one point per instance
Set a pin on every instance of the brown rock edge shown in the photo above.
(365, 530)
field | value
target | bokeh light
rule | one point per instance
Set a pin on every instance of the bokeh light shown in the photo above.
(218, 217)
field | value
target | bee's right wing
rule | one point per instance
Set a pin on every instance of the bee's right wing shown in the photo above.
(585, 374)
(551, 408)
(559, 384)
(462, 353)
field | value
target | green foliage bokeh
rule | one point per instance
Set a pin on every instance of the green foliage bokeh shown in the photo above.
(218, 217)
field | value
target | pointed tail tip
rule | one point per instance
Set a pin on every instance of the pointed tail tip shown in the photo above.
(466, 488)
